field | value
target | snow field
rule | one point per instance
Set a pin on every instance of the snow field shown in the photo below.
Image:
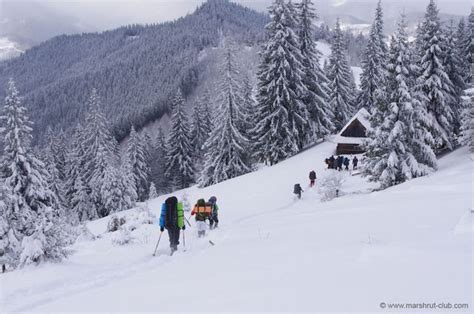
(410, 243)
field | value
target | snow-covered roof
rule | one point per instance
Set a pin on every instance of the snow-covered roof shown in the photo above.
(363, 117)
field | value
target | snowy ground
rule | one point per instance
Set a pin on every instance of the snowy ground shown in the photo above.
(411, 243)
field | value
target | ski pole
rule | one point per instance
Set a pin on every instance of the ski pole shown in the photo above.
(156, 247)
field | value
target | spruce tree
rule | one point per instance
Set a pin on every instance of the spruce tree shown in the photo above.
(100, 150)
(453, 67)
(434, 83)
(282, 117)
(373, 63)
(201, 128)
(32, 209)
(9, 237)
(158, 163)
(469, 48)
(462, 39)
(137, 155)
(179, 154)
(113, 191)
(77, 193)
(152, 192)
(341, 82)
(247, 119)
(226, 154)
(399, 148)
(467, 126)
(128, 183)
(314, 79)
(55, 182)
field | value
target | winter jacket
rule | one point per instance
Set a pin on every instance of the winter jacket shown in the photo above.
(215, 210)
(180, 214)
(312, 175)
(346, 161)
(213, 204)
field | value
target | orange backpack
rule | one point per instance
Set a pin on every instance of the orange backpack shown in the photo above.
(202, 210)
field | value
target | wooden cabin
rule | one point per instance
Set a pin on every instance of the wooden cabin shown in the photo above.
(352, 135)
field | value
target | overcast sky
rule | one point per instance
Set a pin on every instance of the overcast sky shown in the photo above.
(33, 21)
(104, 14)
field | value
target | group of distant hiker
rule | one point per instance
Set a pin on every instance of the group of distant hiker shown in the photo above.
(172, 219)
(340, 162)
(332, 163)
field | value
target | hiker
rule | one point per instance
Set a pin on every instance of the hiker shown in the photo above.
(312, 178)
(297, 190)
(339, 162)
(214, 221)
(332, 162)
(346, 162)
(172, 219)
(203, 212)
(354, 163)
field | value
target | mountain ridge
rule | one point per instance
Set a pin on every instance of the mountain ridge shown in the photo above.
(135, 68)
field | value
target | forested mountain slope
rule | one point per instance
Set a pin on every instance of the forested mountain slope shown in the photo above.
(134, 68)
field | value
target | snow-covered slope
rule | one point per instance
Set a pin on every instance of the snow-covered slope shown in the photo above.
(410, 243)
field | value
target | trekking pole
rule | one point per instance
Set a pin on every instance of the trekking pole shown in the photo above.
(156, 247)
(187, 221)
(184, 240)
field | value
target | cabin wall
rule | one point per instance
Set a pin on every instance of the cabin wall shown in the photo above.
(349, 149)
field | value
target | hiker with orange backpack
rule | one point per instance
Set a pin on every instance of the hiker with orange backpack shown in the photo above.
(203, 211)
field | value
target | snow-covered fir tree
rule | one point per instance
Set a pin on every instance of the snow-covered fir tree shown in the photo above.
(462, 40)
(152, 194)
(77, 193)
(112, 192)
(247, 108)
(282, 117)
(341, 81)
(158, 163)
(9, 239)
(100, 149)
(399, 149)
(128, 184)
(467, 125)
(56, 145)
(201, 129)
(434, 84)
(137, 155)
(55, 182)
(179, 154)
(453, 66)
(314, 79)
(468, 48)
(226, 153)
(373, 63)
(32, 210)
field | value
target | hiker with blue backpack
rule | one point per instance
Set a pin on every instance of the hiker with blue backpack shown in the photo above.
(172, 219)
(214, 221)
